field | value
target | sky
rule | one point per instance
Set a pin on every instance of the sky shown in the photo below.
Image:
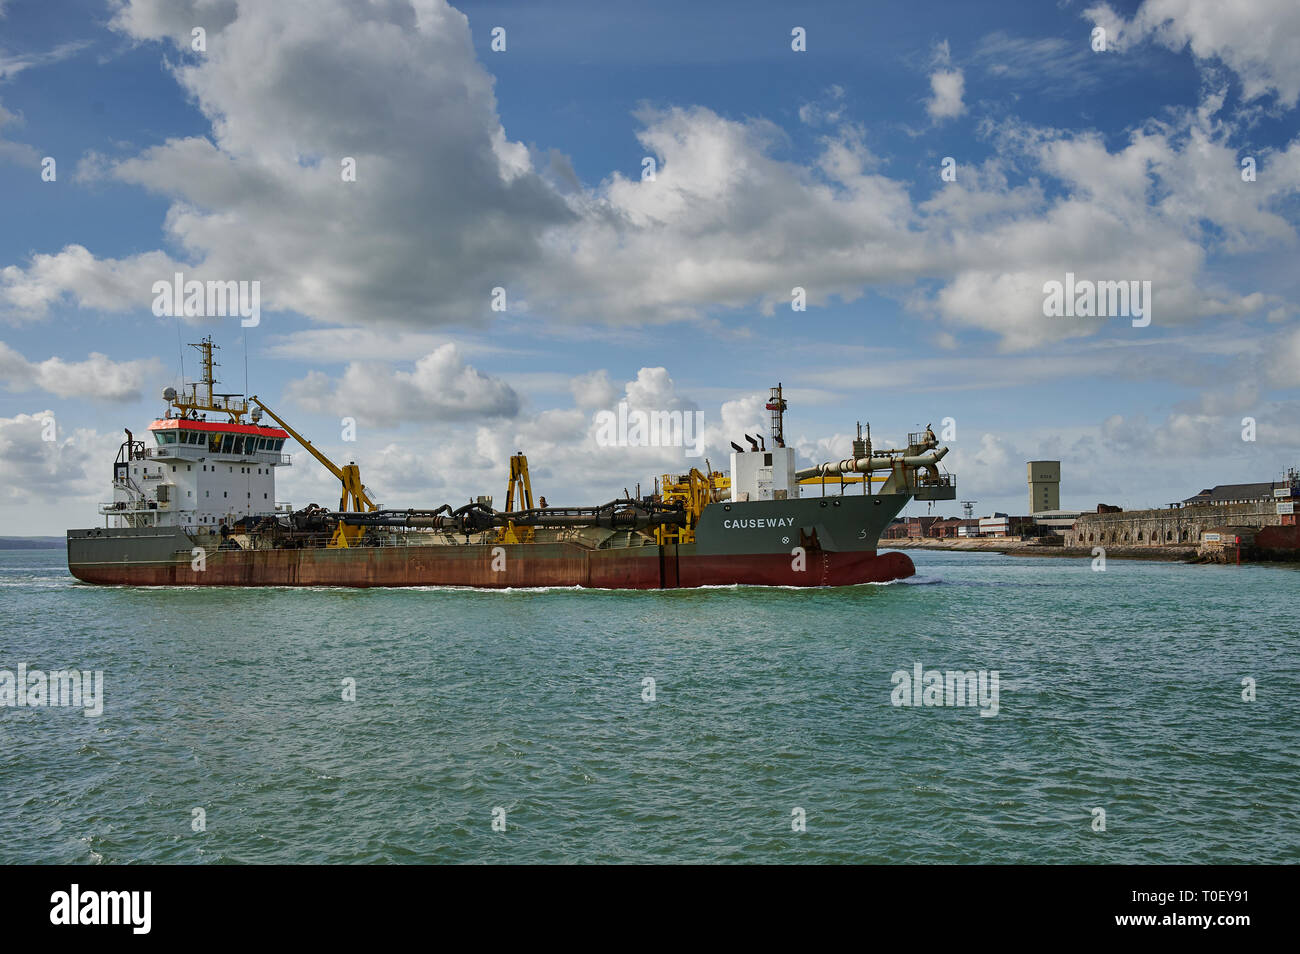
(920, 179)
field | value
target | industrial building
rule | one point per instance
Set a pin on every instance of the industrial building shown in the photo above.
(1241, 493)
(1056, 521)
(1044, 485)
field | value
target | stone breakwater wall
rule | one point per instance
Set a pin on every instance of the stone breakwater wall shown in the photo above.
(1182, 526)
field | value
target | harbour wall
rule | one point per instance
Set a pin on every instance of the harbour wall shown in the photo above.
(1177, 526)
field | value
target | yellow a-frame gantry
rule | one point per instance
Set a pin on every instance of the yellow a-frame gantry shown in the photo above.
(518, 481)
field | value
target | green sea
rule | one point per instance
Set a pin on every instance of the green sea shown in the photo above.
(521, 726)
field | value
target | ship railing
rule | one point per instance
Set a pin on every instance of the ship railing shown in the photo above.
(137, 498)
(938, 487)
(183, 452)
(126, 506)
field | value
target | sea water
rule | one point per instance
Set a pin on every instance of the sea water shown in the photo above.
(1146, 713)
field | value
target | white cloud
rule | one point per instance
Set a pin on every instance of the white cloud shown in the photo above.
(1282, 366)
(13, 64)
(1050, 65)
(946, 90)
(446, 207)
(989, 469)
(947, 86)
(103, 283)
(97, 377)
(441, 387)
(171, 19)
(67, 474)
(593, 390)
(567, 462)
(18, 153)
(1259, 40)
(827, 111)
(332, 345)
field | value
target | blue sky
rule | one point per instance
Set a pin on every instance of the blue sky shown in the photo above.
(522, 169)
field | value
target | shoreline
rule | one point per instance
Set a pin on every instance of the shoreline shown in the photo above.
(1024, 548)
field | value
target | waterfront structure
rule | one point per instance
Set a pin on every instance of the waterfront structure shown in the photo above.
(1044, 485)
(1187, 526)
(1056, 521)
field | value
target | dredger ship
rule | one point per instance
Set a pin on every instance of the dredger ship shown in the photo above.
(194, 505)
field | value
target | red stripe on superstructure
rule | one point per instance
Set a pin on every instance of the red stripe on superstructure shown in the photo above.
(174, 423)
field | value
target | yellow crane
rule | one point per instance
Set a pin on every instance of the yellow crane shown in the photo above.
(354, 497)
(694, 491)
(520, 481)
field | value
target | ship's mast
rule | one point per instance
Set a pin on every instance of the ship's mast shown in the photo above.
(206, 347)
(776, 404)
(192, 399)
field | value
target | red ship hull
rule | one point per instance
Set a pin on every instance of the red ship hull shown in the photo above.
(482, 566)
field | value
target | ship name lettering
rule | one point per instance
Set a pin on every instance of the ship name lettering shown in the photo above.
(757, 523)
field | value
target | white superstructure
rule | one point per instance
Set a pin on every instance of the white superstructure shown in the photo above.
(196, 473)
